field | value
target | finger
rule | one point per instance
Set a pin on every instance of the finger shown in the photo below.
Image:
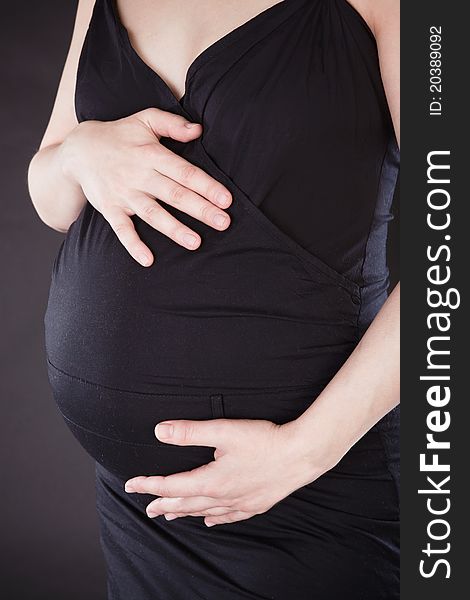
(212, 433)
(216, 512)
(195, 505)
(124, 229)
(160, 219)
(186, 200)
(188, 483)
(231, 517)
(192, 177)
(166, 124)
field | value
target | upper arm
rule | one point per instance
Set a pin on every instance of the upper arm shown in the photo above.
(383, 17)
(63, 118)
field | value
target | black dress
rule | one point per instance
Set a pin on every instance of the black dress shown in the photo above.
(254, 323)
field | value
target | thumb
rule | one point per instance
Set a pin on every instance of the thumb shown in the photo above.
(191, 433)
(167, 124)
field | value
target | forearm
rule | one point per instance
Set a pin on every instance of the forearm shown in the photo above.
(364, 390)
(57, 198)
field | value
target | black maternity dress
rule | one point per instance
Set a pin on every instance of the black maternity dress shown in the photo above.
(254, 323)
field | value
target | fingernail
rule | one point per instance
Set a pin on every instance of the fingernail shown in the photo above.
(151, 514)
(129, 487)
(223, 199)
(145, 260)
(220, 220)
(190, 240)
(164, 431)
(170, 516)
(190, 125)
(209, 524)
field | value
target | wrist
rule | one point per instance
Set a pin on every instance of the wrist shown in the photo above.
(315, 446)
(70, 151)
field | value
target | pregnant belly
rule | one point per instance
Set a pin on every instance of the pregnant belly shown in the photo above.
(246, 309)
(116, 427)
(249, 310)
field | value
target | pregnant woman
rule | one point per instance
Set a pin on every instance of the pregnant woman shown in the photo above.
(219, 333)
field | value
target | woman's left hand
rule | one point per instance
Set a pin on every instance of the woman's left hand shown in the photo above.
(257, 464)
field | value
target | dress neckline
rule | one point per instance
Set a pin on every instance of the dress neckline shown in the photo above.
(204, 56)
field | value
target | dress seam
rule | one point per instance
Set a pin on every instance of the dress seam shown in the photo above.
(157, 443)
(366, 246)
(230, 392)
(387, 461)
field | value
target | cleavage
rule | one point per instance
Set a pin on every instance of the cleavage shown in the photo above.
(171, 36)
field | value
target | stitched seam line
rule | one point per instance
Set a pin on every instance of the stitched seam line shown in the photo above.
(120, 391)
(157, 443)
(364, 258)
(387, 463)
(217, 402)
(255, 392)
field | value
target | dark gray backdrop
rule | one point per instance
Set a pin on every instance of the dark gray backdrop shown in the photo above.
(49, 539)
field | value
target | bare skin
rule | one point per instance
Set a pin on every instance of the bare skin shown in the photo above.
(244, 479)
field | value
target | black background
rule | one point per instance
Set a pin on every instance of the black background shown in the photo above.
(49, 538)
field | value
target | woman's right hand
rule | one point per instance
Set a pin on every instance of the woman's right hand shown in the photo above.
(123, 170)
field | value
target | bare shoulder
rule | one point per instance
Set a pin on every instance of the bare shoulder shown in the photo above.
(382, 16)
